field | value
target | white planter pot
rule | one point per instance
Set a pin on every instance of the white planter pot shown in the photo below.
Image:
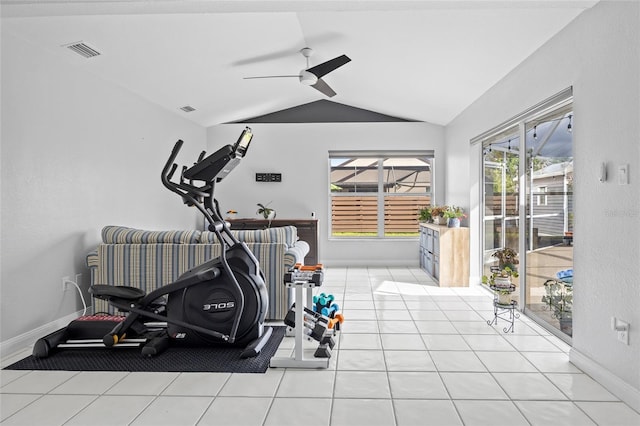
(502, 282)
(504, 298)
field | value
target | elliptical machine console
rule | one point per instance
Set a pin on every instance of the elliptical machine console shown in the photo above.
(222, 301)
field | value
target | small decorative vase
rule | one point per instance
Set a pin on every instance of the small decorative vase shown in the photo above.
(438, 220)
(453, 222)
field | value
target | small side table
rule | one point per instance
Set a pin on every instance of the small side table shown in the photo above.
(504, 311)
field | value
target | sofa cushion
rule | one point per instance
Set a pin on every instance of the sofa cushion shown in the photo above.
(124, 235)
(287, 235)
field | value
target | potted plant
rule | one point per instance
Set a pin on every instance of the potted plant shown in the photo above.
(424, 214)
(501, 275)
(437, 214)
(500, 282)
(559, 297)
(453, 215)
(507, 257)
(266, 212)
(231, 214)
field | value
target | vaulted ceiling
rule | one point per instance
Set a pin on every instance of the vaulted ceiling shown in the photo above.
(424, 60)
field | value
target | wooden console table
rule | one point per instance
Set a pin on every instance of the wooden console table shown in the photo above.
(307, 231)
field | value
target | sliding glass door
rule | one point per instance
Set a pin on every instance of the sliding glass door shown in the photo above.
(550, 214)
(527, 206)
(501, 195)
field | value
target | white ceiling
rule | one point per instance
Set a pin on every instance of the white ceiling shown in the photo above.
(419, 60)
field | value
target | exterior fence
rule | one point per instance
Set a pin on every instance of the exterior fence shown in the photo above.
(359, 214)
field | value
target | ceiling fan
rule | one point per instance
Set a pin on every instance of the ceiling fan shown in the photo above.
(313, 76)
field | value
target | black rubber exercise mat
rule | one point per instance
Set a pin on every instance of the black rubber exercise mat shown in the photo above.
(224, 359)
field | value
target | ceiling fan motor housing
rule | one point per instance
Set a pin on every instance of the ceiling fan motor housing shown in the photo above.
(307, 78)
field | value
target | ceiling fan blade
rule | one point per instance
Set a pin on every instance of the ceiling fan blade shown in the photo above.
(326, 67)
(271, 76)
(324, 88)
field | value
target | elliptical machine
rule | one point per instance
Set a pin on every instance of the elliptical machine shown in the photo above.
(222, 301)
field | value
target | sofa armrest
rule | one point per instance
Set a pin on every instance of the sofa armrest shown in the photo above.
(295, 254)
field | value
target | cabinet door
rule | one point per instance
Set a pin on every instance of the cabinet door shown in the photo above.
(428, 263)
(436, 242)
(430, 240)
(436, 267)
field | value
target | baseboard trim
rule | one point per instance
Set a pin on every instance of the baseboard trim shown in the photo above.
(25, 340)
(613, 383)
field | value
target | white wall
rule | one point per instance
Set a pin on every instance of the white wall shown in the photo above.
(300, 153)
(599, 55)
(77, 154)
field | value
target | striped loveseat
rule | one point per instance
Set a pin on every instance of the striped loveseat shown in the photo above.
(151, 259)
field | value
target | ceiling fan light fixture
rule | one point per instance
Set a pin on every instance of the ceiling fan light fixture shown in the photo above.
(308, 78)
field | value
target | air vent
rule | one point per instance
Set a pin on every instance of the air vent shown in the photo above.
(82, 49)
(187, 108)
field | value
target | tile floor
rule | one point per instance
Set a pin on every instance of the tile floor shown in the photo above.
(409, 353)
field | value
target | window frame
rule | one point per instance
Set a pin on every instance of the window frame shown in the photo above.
(381, 156)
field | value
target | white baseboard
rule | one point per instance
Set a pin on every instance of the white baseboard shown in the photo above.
(28, 339)
(613, 383)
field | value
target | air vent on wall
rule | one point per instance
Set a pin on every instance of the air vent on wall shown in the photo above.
(187, 108)
(82, 49)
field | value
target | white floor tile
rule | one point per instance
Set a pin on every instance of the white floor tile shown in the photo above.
(531, 343)
(253, 384)
(357, 412)
(39, 382)
(445, 342)
(360, 384)
(436, 327)
(433, 315)
(544, 413)
(197, 384)
(391, 326)
(362, 360)
(529, 386)
(465, 315)
(299, 411)
(489, 342)
(457, 361)
(360, 341)
(472, 386)
(173, 410)
(402, 342)
(111, 410)
(610, 413)
(426, 412)
(138, 383)
(505, 362)
(50, 410)
(306, 384)
(10, 403)
(236, 411)
(417, 385)
(546, 362)
(490, 413)
(358, 326)
(477, 327)
(580, 387)
(90, 383)
(393, 315)
(409, 361)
